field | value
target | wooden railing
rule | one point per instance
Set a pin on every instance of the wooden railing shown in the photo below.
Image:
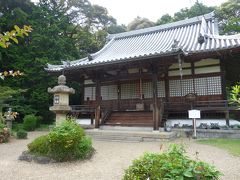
(201, 105)
(105, 115)
(82, 109)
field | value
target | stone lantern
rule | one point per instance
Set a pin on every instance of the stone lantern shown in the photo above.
(61, 99)
(9, 117)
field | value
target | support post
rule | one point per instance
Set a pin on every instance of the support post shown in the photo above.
(98, 103)
(227, 118)
(155, 99)
(167, 92)
(118, 95)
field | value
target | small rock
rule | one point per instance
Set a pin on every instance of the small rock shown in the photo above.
(25, 156)
(41, 159)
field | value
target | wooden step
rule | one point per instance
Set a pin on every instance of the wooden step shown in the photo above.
(140, 119)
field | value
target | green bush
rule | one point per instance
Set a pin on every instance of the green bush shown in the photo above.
(84, 148)
(29, 122)
(21, 134)
(173, 164)
(64, 143)
(40, 146)
(39, 121)
(64, 140)
(17, 126)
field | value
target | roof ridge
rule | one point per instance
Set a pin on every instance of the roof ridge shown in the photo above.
(162, 27)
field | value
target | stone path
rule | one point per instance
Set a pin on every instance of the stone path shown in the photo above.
(107, 164)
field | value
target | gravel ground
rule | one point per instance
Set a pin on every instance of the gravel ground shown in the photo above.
(108, 163)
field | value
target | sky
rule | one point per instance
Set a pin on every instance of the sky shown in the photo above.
(126, 10)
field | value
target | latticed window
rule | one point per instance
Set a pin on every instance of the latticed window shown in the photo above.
(187, 86)
(129, 91)
(161, 88)
(109, 92)
(203, 86)
(214, 85)
(175, 88)
(89, 93)
(147, 89)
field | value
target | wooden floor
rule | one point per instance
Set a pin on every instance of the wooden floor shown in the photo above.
(131, 118)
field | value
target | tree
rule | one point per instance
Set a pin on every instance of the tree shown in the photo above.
(113, 29)
(196, 10)
(164, 19)
(139, 23)
(63, 30)
(5, 40)
(228, 14)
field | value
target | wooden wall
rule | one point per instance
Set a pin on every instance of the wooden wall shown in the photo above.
(202, 77)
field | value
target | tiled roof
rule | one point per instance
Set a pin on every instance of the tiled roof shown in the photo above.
(182, 36)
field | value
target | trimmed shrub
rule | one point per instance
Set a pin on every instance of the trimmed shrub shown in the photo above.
(29, 122)
(39, 146)
(66, 142)
(173, 164)
(84, 148)
(21, 134)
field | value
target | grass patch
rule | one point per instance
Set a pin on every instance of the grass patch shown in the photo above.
(231, 145)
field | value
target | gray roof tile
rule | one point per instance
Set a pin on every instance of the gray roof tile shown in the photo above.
(158, 40)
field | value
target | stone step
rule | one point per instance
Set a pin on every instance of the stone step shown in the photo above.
(130, 136)
(125, 128)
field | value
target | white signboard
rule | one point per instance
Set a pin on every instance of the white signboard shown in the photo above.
(192, 114)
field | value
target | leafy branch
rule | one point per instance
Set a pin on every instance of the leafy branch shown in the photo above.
(7, 37)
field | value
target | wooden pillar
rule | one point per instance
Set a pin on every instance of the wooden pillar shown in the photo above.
(167, 92)
(119, 95)
(155, 99)
(223, 80)
(92, 117)
(98, 103)
(227, 118)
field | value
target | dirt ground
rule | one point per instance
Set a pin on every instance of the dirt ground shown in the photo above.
(108, 163)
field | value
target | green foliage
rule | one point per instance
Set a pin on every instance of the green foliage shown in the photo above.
(64, 140)
(39, 146)
(17, 126)
(30, 122)
(64, 143)
(12, 35)
(166, 18)
(235, 95)
(113, 29)
(21, 134)
(84, 148)
(62, 30)
(229, 16)
(173, 164)
(139, 23)
(196, 10)
(39, 121)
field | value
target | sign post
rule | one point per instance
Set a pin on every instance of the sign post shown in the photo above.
(194, 114)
